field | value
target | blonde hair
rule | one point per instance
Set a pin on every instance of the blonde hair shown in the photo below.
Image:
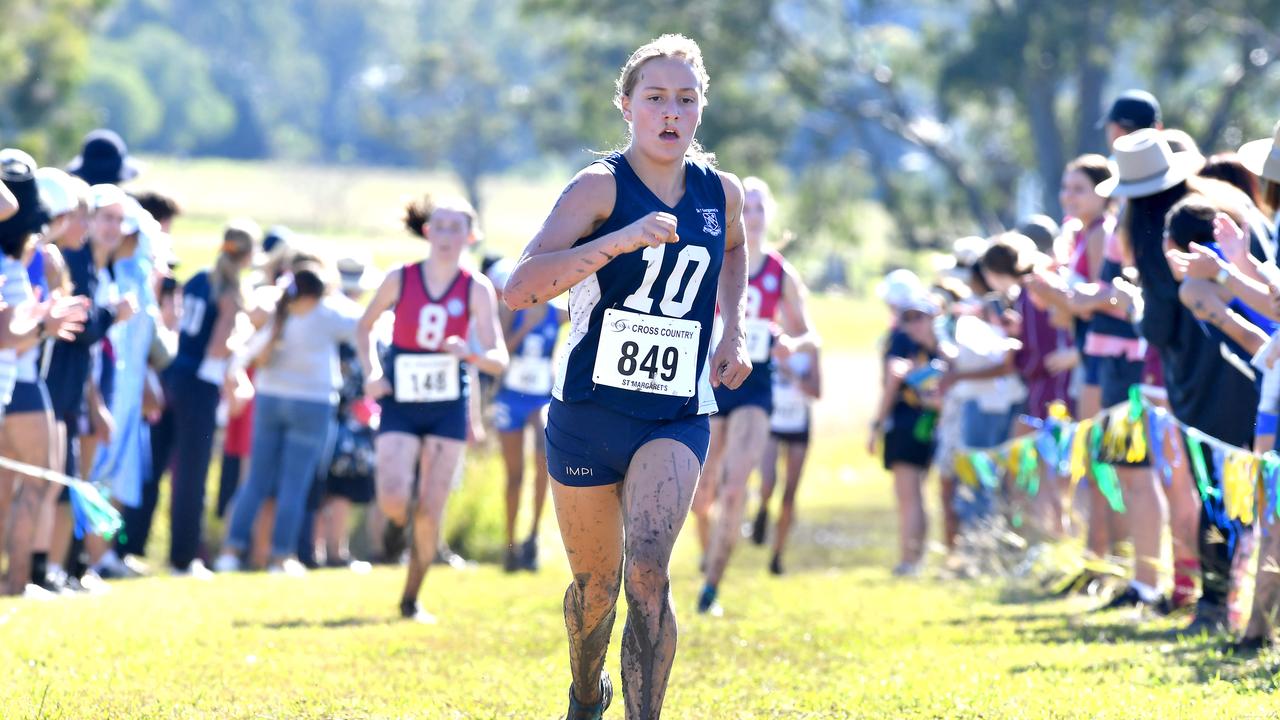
(753, 183)
(667, 46)
(239, 239)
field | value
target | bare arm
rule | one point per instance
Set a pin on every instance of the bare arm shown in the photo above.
(517, 336)
(730, 365)
(811, 383)
(551, 264)
(8, 203)
(493, 356)
(219, 341)
(381, 302)
(796, 325)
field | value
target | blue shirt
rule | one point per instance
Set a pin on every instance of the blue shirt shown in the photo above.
(677, 280)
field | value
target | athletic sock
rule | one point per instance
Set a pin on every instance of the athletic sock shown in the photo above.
(1145, 591)
(39, 566)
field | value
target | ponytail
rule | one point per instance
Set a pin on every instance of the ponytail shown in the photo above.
(308, 282)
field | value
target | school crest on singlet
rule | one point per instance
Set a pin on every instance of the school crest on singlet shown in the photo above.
(640, 327)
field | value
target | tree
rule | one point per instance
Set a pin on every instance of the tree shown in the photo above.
(44, 56)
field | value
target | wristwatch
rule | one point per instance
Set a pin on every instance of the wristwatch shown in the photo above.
(1224, 273)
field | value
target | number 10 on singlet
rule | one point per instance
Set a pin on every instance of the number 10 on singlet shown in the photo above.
(647, 353)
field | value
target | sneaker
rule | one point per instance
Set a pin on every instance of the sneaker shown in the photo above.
(411, 610)
(775, 565)
(1132, 598)
(55, 581)
(1127, 599)
(292, 567)
(195, 570)
(360, 567)
(579, 711)
(707, 604)
(529, 554)
(75, 587)
(92, 583)
(136, 566)
(1210, 621)
(906, 570)
(1249, 646)
(35, 592)
(227, 563)
(445, 556)
(760, 526)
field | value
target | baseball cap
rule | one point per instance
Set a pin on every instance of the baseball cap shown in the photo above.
(1133, 110)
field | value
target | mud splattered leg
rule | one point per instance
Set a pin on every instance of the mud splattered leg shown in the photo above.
(656, 498)
(591, 527)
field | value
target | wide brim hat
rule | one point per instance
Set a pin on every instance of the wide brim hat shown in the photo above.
(17, 170)
(104, 158)
(356, 275)
(1262, 157)
(1143, 165)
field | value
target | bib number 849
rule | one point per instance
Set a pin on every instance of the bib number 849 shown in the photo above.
(628, 363)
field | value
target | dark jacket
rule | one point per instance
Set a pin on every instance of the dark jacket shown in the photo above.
(1205, 390)
(69, 362)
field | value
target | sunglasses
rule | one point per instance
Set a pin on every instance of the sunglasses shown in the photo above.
(913, 315)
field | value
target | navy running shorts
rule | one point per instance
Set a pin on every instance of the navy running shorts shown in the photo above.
(590, 445)
(511, 409)
(29, 397)
(446, 419)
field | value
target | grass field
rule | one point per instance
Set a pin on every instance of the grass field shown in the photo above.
(837, 637)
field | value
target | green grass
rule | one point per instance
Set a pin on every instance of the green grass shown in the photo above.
(836, 638)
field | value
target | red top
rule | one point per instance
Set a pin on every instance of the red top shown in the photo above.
(422, 322)
(1080, 251)
(764, 289)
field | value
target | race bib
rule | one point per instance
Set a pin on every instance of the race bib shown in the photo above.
(427, 378)
(648, 353)
(759, 339)
(529, 375)
(790, 409)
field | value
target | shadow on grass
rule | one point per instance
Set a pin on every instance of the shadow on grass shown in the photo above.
(316, 623)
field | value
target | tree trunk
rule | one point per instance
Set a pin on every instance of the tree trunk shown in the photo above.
(1094, 54)
(1236, 83)
(1038, 99)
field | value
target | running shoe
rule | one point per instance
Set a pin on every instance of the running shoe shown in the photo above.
(510, 562)
(707, 604)
(760, 527)
(1210, 621)
(292, 567)
(411, 610)
(445, 556)
(196, 570)
(1132, 598)
(55, 581)
(775, 565)
(579, 711)
(227, 563)
(1249, 646)
(529, 554)
(906, 570)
